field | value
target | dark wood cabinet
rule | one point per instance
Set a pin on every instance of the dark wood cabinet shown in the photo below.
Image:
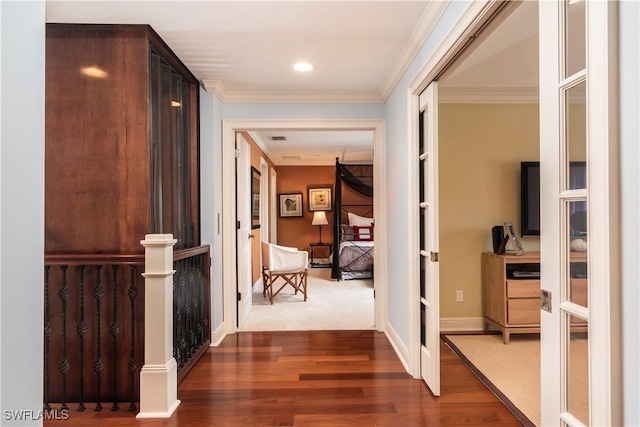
(121, 145)
(121, 140)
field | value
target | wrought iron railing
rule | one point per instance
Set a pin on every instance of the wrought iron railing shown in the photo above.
(94, 325)
(191, 302)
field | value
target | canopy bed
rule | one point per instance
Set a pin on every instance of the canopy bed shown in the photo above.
(353, 238)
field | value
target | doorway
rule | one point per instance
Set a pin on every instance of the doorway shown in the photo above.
(230, 127)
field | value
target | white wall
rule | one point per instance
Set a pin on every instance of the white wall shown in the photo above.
(211, 197)
(629, 14)
(22, 42)
(398, 175)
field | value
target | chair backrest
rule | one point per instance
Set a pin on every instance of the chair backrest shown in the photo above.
(283, 259)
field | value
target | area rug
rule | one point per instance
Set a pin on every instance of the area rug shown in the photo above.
(330, 305)
(512, 371)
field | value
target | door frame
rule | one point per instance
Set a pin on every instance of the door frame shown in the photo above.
(450, 49)
(229, 128)
(243, 210)
(604, 342)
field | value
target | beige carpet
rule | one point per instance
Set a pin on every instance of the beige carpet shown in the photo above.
(514, 369)
(330, 305)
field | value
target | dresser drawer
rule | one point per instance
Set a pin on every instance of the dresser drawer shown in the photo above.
(523, 288)
(523, 311)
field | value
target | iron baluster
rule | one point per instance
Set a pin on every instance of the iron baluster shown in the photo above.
(132, 351)
(81, 330)
(115, 331)
(98, 366)
(47, 335)
(63, 366)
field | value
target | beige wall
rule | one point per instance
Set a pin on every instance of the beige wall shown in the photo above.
(480, 150)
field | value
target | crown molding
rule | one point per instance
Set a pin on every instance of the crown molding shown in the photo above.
(501, 95)
(368, 97)
(216, 87)
(423, 29)
(260, 143)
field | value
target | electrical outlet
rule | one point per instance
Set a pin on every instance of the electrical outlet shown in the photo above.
(459, 296)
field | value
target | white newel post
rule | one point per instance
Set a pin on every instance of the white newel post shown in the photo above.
(159, 375)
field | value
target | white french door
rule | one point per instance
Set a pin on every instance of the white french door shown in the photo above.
(244, 235)
(429, 268)
(579, 275)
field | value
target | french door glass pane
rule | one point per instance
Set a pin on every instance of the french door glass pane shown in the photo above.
(576, 128)
(578, 238)
(575, 46)
(423, 325)
(578, 374)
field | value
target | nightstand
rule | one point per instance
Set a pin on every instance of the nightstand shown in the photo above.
(317, 261)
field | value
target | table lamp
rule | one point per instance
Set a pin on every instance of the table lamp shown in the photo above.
(320, 219)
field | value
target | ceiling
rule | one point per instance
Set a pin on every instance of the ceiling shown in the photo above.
(244, 51)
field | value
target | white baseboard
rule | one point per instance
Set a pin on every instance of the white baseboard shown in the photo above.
(461, 324)
(218, 335)
(401, 350)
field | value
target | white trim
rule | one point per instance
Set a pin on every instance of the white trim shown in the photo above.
(217, 336)
(461, 324)
(264, 201)
(229, 128)
(401, 350)
(273, 197)
(428, 21)
(449, 45)
(413, 218)
(605, 381)
(260, 143)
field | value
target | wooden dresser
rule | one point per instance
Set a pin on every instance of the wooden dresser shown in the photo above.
(511, 292)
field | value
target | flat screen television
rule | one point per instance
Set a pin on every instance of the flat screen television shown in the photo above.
(530, 198)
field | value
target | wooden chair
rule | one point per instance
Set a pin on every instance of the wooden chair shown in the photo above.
(288, 264)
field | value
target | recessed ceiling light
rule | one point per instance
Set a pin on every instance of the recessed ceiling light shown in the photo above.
(303, 66)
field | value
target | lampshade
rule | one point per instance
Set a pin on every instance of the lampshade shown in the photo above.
(319, 218)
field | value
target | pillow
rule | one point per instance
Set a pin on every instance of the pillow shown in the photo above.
(363, 232)
(346, 232)
(359, 220)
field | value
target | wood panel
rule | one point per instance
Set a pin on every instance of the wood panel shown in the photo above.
(316, 378)
(96, 140)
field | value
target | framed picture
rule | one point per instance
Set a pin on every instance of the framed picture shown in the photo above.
(320, 198)
(290, 205)
(513, 238)
(255, 198)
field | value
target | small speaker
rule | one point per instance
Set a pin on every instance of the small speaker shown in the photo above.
(497, 235)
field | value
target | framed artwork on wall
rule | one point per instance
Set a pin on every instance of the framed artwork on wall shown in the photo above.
(320, 197)
(290, 205)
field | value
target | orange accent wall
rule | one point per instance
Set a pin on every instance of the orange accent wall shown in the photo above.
(298, 231)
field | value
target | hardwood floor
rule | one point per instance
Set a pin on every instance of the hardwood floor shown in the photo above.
(315, 378)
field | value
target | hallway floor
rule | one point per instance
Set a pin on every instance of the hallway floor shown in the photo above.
(315, 378)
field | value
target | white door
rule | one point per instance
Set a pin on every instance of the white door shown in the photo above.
(429, 268)
(244, 236)
(578, 168)
(273, 203)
